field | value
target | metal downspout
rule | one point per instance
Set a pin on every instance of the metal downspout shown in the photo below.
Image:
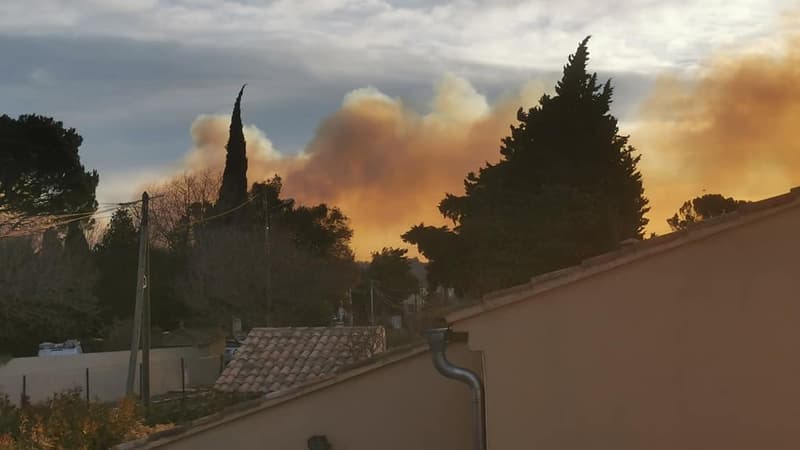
(437, 340)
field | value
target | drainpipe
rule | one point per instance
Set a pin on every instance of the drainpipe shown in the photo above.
(437, 340)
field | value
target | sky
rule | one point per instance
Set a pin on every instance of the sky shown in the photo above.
(145, 81)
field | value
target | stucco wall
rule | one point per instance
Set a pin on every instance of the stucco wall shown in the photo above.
(108, 372)
(400, 406)
(695, 348)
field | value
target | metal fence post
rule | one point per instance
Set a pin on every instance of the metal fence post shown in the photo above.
(141, 373)
(87, 386)
(183, 376)
(23, 400)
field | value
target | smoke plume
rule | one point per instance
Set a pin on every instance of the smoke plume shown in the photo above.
(731, 129)
(385, 165)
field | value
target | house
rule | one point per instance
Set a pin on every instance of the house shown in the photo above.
(684, 341)
(276, 359)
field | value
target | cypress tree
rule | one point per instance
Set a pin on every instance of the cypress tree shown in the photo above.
(566, 188)
(233, 191)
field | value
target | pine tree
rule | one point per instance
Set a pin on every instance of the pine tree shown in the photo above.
(701, 208)
(233, 191)
(40, 168)
(566, 188)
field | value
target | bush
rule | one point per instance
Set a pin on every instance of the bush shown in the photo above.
(68, 421)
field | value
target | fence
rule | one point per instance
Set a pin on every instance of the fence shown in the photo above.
(103, 375)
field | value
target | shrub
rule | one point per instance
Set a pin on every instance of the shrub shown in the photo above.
(68, 421)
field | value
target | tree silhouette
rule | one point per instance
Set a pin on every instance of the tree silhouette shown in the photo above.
(312, 265)
(116, 256)
(566, 188)
(391, 268)
(233, 191)
(46, 295)
(40, 169)
(390, 279)
(701, 208)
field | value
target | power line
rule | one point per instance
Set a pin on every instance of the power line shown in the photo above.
(59, 223)
(216, 216)
(100, 213)
(132, 202)
(103, 213)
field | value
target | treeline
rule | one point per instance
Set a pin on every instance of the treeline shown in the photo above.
(218, 250)
(566, 187)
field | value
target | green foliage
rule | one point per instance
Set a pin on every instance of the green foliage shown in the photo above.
(312, 265)
(41, 169)
(234, 178)
(116, 257)
(320, 230)
(46, 295)
(391, 268)
(390, 280)
(566, 188)
(9, 418)
(701, 208)
(68, 421)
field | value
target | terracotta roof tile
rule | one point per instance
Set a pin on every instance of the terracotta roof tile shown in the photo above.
(275, 359)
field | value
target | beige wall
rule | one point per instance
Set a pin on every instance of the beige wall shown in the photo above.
(695, 348)
(401, 406)
(108, 371)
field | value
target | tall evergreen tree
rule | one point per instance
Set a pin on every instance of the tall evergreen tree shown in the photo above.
(233, 191)
(566, 188)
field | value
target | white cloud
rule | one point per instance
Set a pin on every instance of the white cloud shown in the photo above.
(640, 35)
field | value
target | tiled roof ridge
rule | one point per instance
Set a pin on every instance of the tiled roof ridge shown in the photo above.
(273, 359)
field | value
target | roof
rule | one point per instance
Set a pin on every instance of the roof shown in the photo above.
(628, 253)
(276, 359)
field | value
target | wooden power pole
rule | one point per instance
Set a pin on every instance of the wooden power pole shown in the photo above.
(268, 252)
(142, 307)
(146, 334)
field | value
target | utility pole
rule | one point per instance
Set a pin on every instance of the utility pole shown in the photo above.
(371, 303)
(141, 287)
(146, 335)
(268, 251)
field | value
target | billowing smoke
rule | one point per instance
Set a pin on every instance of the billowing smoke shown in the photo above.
(731, 129)
(385, 165)
(210, 134)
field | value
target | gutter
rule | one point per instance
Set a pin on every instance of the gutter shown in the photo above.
(437, 340)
